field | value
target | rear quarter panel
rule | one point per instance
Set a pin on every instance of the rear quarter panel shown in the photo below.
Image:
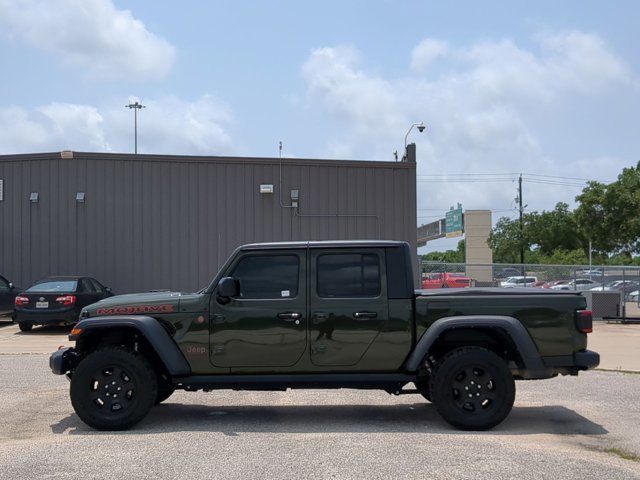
(549, 319)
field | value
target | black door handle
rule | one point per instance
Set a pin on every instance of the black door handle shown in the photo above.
(364, 315)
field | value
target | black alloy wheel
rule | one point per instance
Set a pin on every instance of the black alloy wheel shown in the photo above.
(113, 388)
(472, 388)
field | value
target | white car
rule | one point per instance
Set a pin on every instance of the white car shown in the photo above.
(626, 286)
(593, 272)
(577, 284)
(518, 281)
(634, 296)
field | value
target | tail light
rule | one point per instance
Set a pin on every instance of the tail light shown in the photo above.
(20, 301)
(584, 321)
(66, 300)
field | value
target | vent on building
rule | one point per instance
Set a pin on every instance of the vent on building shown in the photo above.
(66, 154)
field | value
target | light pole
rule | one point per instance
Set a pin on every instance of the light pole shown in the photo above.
(421, 126)
(136, 106)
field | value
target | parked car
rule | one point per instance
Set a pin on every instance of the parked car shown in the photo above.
(8, 292)
(577, 284)
(518, 281)
(446, 280)
(555, 283)
(593, 272)
(624, 286)
(634, 296)
(57, 301)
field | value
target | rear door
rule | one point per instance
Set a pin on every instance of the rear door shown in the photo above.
(266, 324)
(348, 304)
(87, 293)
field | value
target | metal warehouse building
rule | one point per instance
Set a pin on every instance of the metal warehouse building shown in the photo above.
(145, 222)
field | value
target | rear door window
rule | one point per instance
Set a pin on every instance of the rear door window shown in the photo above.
(348, 275)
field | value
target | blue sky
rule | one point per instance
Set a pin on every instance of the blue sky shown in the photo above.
(549, 89)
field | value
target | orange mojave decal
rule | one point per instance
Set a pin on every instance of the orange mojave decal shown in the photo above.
(135, 309)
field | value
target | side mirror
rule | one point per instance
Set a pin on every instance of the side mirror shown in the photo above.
(227, 288)
(11, 286)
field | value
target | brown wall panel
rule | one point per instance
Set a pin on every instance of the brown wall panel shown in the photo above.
(169, 222)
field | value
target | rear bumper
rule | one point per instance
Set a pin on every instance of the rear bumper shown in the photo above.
(67, 316)
(572, 364)
(587, 359)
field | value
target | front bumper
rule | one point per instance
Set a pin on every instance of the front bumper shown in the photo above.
(63, 360)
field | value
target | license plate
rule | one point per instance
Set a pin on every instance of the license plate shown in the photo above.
(42, 304)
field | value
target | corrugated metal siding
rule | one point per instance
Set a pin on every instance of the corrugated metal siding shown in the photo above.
(155, 222)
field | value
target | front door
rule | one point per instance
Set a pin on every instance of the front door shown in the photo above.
(348, 304)
(266, 324)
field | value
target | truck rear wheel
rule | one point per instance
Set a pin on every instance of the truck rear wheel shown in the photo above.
(113, 388)
(472, 388)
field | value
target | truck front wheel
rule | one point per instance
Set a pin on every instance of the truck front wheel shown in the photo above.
(113, 388)
(472, 388)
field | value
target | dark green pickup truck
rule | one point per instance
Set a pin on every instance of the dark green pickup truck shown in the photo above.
(323, 315)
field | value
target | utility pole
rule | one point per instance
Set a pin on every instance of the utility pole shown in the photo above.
(136, 106)
(521, 224)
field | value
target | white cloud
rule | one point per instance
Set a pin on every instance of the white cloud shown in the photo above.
(57, 126)
(175, 126)
(582, 61)
(366, 103)
(491, 111)
(91, 35)
(427, 52)
(166, 126)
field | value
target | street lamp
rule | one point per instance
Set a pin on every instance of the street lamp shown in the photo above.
(421, 126)
(136, 106)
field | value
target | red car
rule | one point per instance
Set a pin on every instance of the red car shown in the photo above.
(446, 280)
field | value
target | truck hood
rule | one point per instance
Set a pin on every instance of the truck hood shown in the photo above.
(142, 304)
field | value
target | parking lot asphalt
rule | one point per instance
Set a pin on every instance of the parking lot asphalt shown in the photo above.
(562, 428)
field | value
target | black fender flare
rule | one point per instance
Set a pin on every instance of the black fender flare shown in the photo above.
(159, 339)
(533, 363)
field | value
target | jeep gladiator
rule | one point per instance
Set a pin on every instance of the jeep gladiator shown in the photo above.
(323, 315)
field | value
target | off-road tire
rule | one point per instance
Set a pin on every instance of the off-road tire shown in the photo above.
(25, 326)
(113, 388)
(423, 387)
(165, 388)
(472, 388)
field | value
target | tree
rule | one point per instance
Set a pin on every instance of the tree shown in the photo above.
(544, 235)
(505, 242)
(450, 256)
(554, 230)
(609, 214)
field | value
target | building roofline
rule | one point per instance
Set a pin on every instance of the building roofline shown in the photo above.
(71, 155)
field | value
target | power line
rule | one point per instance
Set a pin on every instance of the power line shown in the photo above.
(505, 177)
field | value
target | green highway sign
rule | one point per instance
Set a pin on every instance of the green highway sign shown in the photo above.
(454, 222)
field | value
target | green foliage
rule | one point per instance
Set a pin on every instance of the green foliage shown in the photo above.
(450, 256)
(610, 214)
(504, 241)
(607, 215)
